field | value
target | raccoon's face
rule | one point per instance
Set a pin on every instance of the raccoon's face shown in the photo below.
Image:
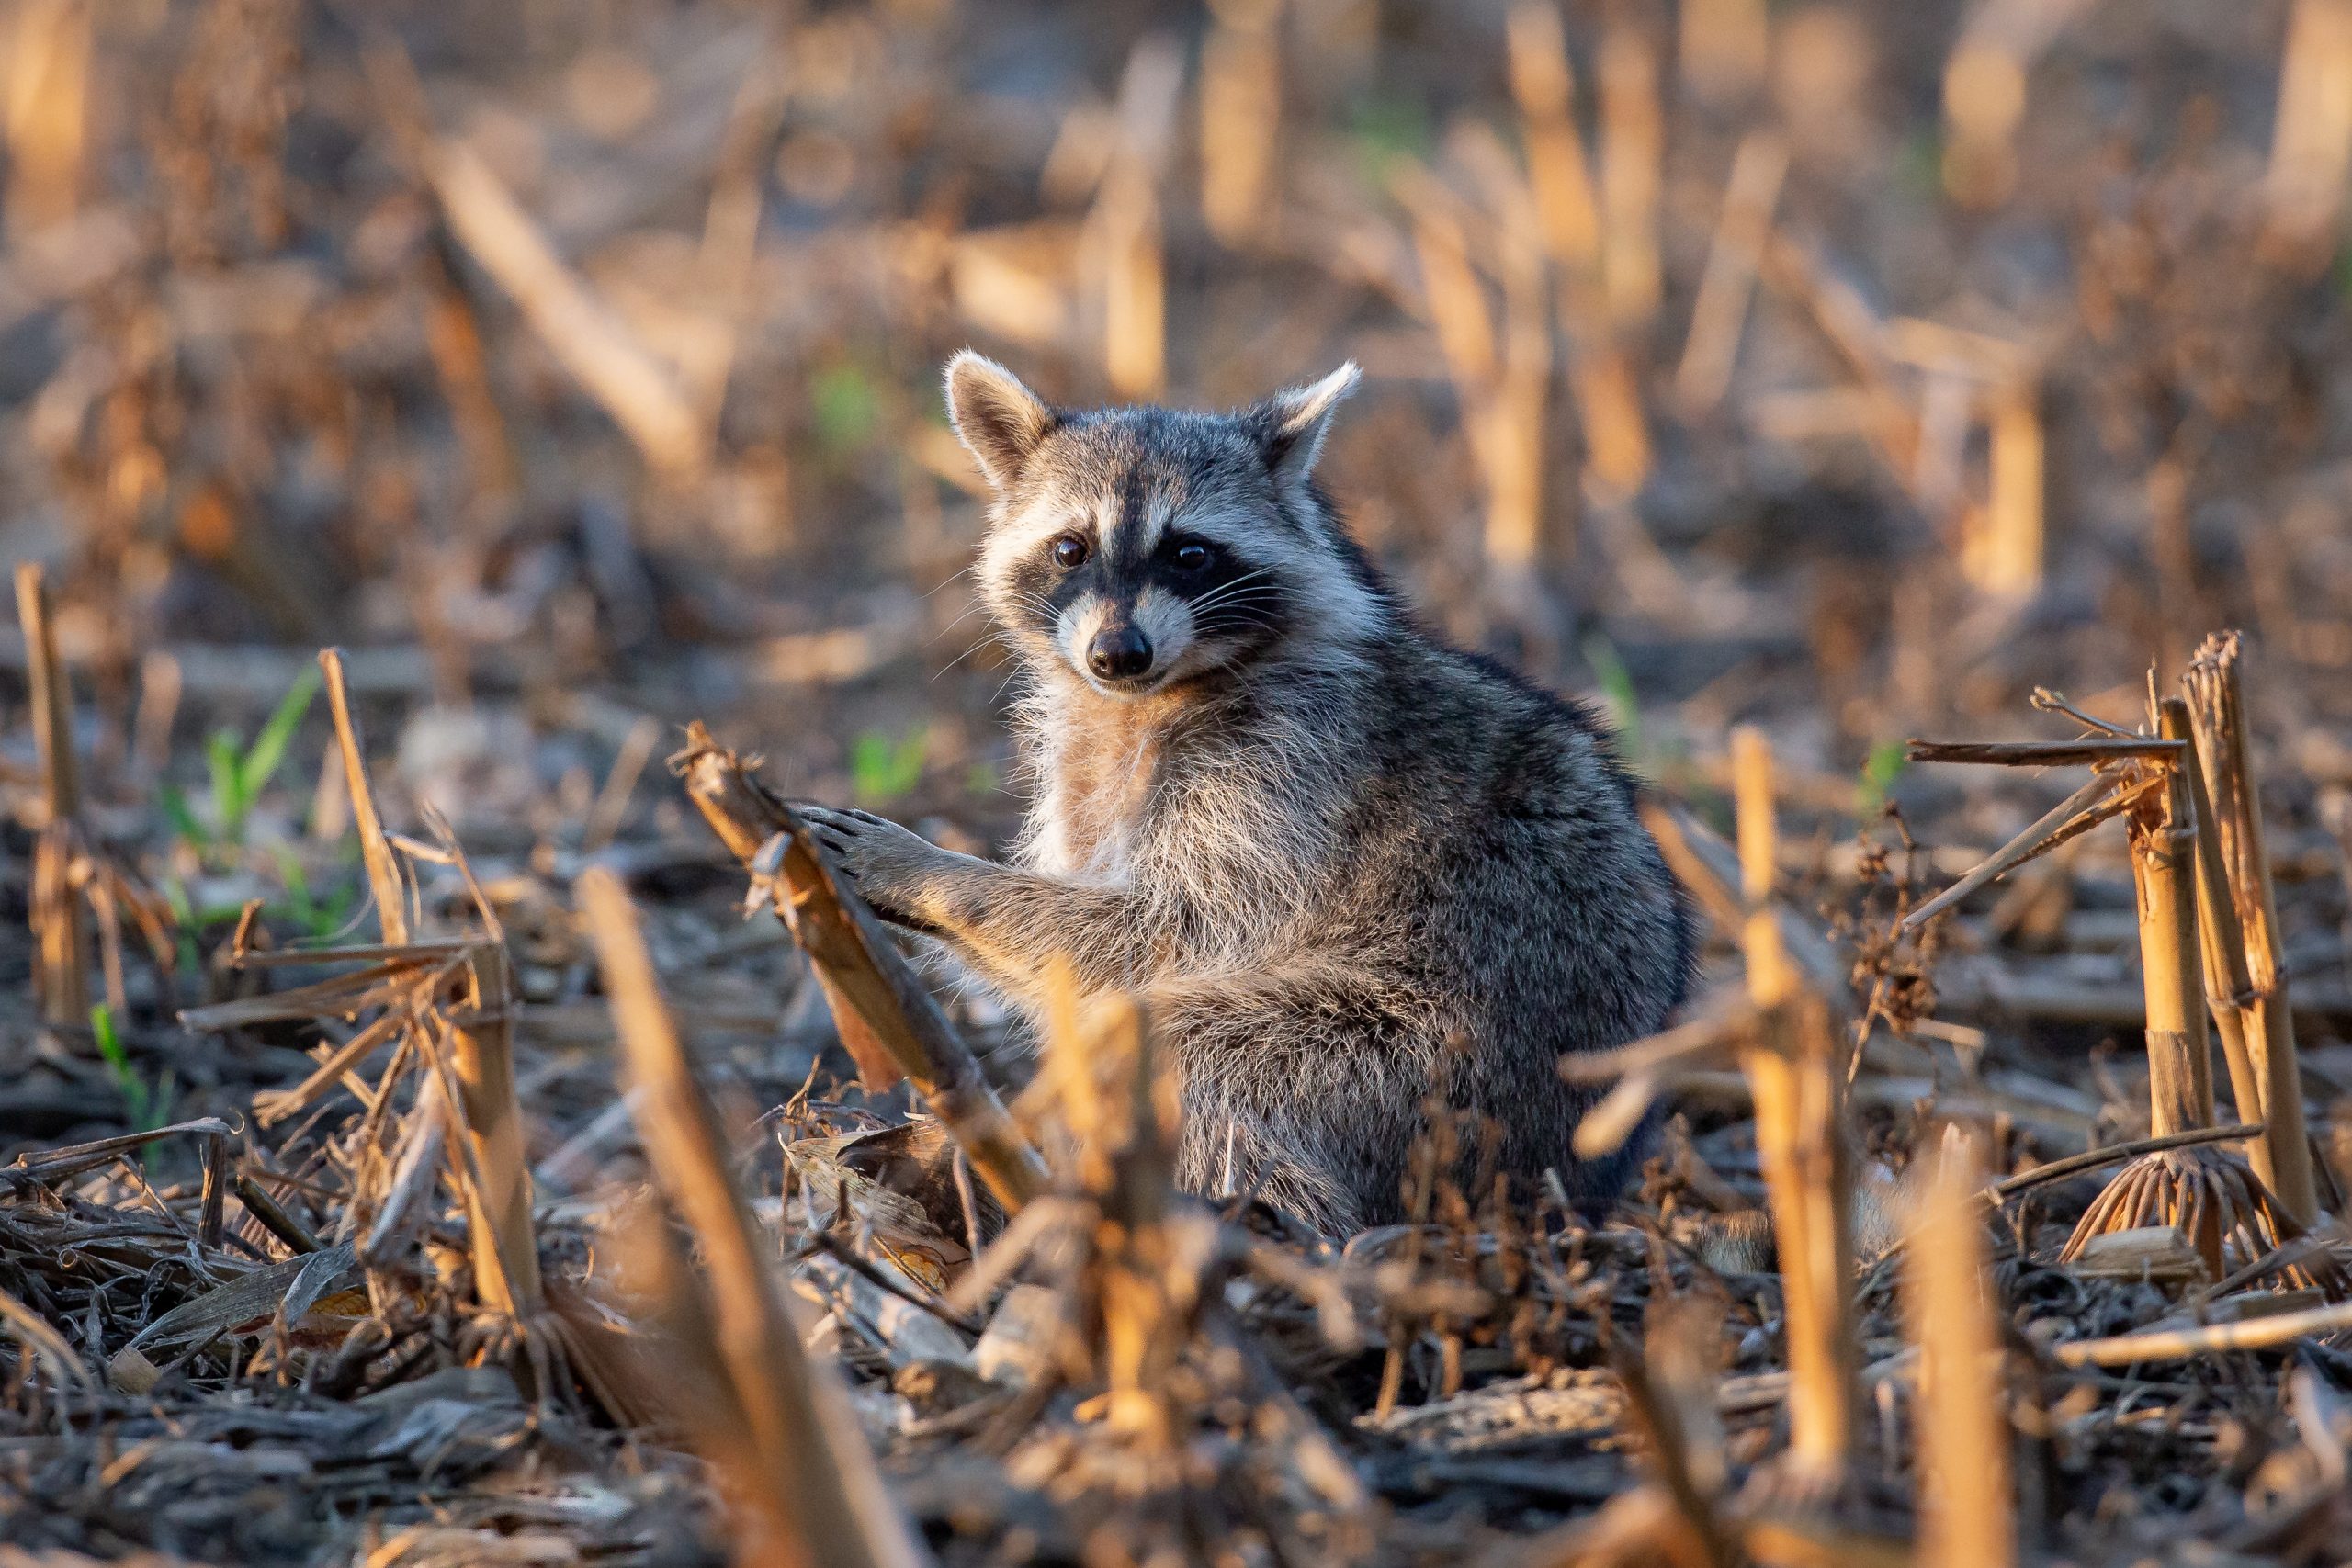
(1136, 548)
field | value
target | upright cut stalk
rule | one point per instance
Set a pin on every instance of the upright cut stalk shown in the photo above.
(801, 1463)
(1801, 1143)
(1965, 1503)
(2222, 942)
(2217, 706)
(61, 932)
(503, 1244)
(2180, 1059)
(375, 851)
(1128, 1161)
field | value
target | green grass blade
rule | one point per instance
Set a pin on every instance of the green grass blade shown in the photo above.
(182, 817)
(118, 1060)
(1885, 766)
(228, 793)
(1617, 689)
(269, 750)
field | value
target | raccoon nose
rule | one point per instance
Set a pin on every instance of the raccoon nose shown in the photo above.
(1118, 653)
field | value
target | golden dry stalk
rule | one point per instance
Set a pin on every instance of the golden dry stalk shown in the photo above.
(2209, 1195)
(2180, 1059)
(2221, 941)
(2002, 553)
(1799, 1092)
(2214, 682)
(1241, 112)
(889, 1021)
(780, 1422)
(1120, 1109)
(1632, 144)
(498, 1211)
(1500, 368)
(1544, 85)
(1729, 280)
(60, 925)
(1966, 1503)
(1126, 252)
(2311, 146)
(1725, 48)
(375, 850)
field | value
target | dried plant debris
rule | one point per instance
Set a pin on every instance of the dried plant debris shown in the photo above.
(429, 1134)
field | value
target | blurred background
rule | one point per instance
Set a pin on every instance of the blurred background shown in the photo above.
(1854, 369)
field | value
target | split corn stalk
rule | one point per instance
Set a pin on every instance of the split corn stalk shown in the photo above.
(2222, 939)
(887, 1020)
(2217, 709)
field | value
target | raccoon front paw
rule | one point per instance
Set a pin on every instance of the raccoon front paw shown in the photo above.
(892, 867)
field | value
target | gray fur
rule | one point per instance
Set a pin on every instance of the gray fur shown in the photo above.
(1345, 864)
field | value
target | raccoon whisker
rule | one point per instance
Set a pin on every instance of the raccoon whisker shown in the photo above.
(1238, 602)
(968, 615)
(1005, 685)
(1042, 608)
(1245, 577)
(997, 637)
(1256, 603)
(950, 581)
(1224, 589)
(1267, 594)
(1264, 593)
(1230, 628)
(1225, 612)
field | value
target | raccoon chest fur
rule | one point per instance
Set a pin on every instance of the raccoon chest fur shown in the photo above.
(1099, 767)
(1222, 830)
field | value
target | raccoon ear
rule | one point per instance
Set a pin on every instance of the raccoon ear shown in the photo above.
(999, 420)
(1292, 422)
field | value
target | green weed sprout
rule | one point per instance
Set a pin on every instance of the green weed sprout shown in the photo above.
(881, 768)
(1885, 764)
(1617, 691)
(240, 774)
(147, 1108)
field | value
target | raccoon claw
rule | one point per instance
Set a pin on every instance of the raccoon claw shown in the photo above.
(815, 813)
(840, 832)
(885, 863)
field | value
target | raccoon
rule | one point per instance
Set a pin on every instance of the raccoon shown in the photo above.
(1347, 866)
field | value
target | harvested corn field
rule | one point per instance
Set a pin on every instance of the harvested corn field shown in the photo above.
(485, 523)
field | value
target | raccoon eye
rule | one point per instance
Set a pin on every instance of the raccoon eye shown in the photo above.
(1069, 552)
(1191, 555)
